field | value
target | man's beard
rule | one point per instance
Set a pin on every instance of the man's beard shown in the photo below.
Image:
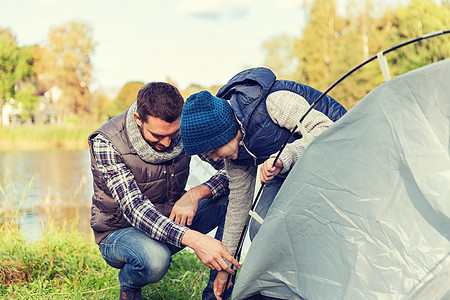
(155, 145)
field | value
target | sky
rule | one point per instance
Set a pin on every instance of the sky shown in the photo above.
(201, 42)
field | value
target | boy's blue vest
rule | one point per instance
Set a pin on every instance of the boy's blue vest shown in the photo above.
(247, 92)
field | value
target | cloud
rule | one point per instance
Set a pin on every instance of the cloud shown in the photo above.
(214, 8)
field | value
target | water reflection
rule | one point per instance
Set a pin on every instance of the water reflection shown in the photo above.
(61, 187)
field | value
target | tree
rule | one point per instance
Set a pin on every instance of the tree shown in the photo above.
(44, 66)
(68, 60)
(331, 45)
(27, 101)
(195, 88)
(280, 56)
(358, 41)
(418, 18)
(369, 31)
(316, 50)
(191, 89)
(99, 106)
(16, 68)
(128, 94)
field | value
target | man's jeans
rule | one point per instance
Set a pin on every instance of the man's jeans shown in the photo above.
(143, 260)
(269, 192)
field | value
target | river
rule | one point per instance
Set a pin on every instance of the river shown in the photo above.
(57, 186)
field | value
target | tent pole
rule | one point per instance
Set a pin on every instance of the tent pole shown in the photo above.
(244, 230)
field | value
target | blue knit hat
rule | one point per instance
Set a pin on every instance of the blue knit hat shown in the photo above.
(207, 123)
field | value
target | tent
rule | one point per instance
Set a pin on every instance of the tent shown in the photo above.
(365, 212)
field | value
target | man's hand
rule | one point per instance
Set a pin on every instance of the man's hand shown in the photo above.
(210, 251)
(185, 208)
(219, 284)
(267, 171)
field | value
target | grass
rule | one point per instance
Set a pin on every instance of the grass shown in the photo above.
(65, 264)
(60, 266)
(44, 138)
(10, 207)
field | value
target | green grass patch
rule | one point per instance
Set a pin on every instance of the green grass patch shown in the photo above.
(67, 265)
(185, 279)
(44, 138)
(62, 265)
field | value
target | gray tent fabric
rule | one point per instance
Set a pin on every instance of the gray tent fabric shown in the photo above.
(365, 212)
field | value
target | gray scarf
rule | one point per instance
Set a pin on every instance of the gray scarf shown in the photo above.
(143, 149)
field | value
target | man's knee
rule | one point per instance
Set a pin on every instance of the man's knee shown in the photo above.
(155, 267)
(145, 264)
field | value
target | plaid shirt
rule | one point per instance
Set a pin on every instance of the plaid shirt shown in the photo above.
(136, 207)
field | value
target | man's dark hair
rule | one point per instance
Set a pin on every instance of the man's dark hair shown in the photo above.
(161, 100)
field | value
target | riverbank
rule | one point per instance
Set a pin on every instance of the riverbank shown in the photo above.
(67, 265)
(44, 138)
(64, 263)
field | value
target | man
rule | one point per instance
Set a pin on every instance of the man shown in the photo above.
(140, 213)
(247, 124)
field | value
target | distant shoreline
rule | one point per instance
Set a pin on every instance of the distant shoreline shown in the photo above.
(39, 138)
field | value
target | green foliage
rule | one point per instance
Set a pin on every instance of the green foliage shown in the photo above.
(73, 120)
(68, 64)
(15, 67)
(27, 101)
(9, 55)
(185, 279)
(331, 45)
(99, 107)
(418, 18)
(192, 89)
(114, 108)
(45, 137)
(359, 32)
(316, 50)
(128, 94)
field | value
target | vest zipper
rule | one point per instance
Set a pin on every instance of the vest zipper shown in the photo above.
(170, 177)
(241, 142)
(173, 169)
(167, 172)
